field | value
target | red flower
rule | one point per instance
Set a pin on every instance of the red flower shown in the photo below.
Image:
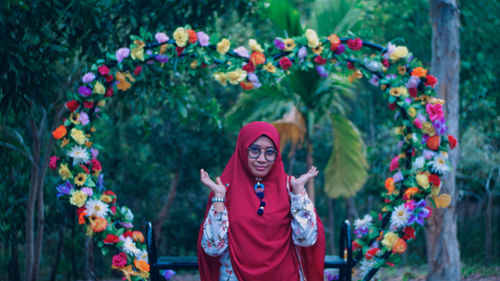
(334, 42)
(249, 67)
(285, 63)
(387, 200)
(127, 233)
(355, 44)
(72, 105)
(320, 60)
(138, 70)
(179, 50)
(355, 245)
(96, 165)
(88, 104)
(257, 58)
(433, 142)
(81, 212)
(409, 233)
(112, 194)
(109, 78)
(371, 253)
(120, 260)
(53, 162)
(109, 92)
(84, 168)
(113, 209)
(392, 106)
(431, 80)
(192, 36)
(385, 62)
(434, 179)
(246, 85)
(350, 65)
(103, 69)
(452, 141)
(413, 92)
(111, 239)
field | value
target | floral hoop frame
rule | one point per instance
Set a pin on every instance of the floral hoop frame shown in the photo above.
(380, 236)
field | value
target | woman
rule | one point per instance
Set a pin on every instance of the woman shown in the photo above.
(260, 224)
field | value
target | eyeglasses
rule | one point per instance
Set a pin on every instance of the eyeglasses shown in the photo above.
(269, 153)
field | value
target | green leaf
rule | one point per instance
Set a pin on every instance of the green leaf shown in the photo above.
(346, 171)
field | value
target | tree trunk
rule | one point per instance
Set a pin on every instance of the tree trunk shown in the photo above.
(89, 259)
(352, 211)
(331, 225)
(13, 272)
(487, 223)
(60, 244)
(310, 163)
(443, 255)
(163, 215)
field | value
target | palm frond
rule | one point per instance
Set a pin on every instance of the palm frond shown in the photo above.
(292, 128)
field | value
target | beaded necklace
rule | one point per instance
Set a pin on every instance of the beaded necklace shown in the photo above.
(259, 191)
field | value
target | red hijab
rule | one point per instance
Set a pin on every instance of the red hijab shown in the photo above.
(261, 247)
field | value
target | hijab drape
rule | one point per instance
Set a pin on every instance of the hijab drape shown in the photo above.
(261, 247)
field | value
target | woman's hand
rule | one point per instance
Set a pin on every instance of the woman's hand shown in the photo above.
(218, 188)
(299, 183)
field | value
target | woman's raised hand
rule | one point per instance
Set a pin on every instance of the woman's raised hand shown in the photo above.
(299, 183)
(218, 188)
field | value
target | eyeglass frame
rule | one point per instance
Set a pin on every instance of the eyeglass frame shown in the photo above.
(260, 152)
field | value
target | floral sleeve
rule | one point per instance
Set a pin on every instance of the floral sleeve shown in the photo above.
(214, 240)
(304, 228)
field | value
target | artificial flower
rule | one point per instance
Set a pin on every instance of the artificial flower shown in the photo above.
(430, 80)
(80, 179)
(389, 185)
(64, 189)
(127, 213)
(79, 155)
(312, 38)
(248, 67)
(252, 77)
(141, 265)
(289, 44)
(138, 70)
(88, 191)
(428, 129)
(399, 52)
(389, 50)
(409, 233)
(72, 105)
(320, 60)
(73, 117)
(402, 70)
(334, 41)
(417, 123)
(53, 162)
(389, 239)
(418, 163)
(181, 37)
(242, 52)
(64, 172)
(419, 72)
(168, 274)
(78, 136)
(412, 112)
(302, 53)
(279, 44)
(318, 50)
(236, 76)
(138, 51)
(111, 239)
(398, 177)
(203, 38)
(452, 141)
(254, 46)
(399, 246)
(122, 53)
(440, 126)
(84, 91)
(192, 36)
(246, 85)
(83, 118)
(439, 163)
(78, 198)
(371, 253)
(81, 212)
(355, 44)
(98, 224)
(413, 82)
(399, 217)
(88, 77)
(223, 46)
(361, 226)
(321, 71)
(99, 88)
(257, 58)
(161, 37)
(285, 63)
(410, 192)
(96, 207)
(129, 246)
(433, 142)
(398, 91)
(137, 236)
(269, 67)
(103, 70)
(394, 163)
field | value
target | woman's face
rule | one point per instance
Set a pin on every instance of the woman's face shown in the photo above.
(260, 166)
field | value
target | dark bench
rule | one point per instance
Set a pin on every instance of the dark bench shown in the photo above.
(344, 261)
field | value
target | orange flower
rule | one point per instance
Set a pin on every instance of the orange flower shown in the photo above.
(81, 215)
(419, 71)
(98, 224)
(60, 132)
(410, 192)
(399, 246)
(334, 42)
(123, 83)
(389, 185)
(142, 265)
(245, 85)
(257, 58)
(137, 236)
(192, 36)
(433, 142)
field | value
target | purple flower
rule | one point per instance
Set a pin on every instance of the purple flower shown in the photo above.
(428, 154)
(252, 77)
(390, 49)
(279, 44)
(168, 274)
(88, 77)
(413, 82)
(391, 76)
(162, 58)
(302, 53)
(321, 71)
(242, 52)
(409, 58)
(374, 80)
(408, 100)
(425, 137)
(398, 177)
(340, 49)
(420, 212)
(100, 182)
(202, 38)
(330, 276)
(88, 191)
(127, 224)
(161, 37)
(64, 189)
(440, 126)
(84, 118)
(121, 54)
(360, 232)
(94, 152)
(84, 91)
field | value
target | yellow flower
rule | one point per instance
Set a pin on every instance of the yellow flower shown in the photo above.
(289, 44)
(402, 70)
(435, 190)
(64, 142)
(221, 78)
(399, 130)
(318, 50)
(96, 173)
(80, 179)
(73, 117)
(422, 181)
(428, 128)
(99, 88)
(106, 198)
(78, 136)
(399, 52)
(78, 198)
(163, 48)
(193, 64)
(269, 67)
(101, 103)
(312, 38)
(389, 239)
(399, 91)
(412, 112)
(223, 46)
(181, 37)
(137, 53)
(236, 76)
(88, 144)
(254, 46)
(64, 172)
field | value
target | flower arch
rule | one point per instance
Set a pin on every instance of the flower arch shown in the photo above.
(420, 127)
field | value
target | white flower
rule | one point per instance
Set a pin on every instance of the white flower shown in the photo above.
(129, 246)
(79, 155)
(390, 49)
(399, 217)
(96, 207)
(365, 222)
(418, 163)
(127, 213)
(440, 163)
(142, 256)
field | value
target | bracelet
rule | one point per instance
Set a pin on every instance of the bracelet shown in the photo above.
(218, 199)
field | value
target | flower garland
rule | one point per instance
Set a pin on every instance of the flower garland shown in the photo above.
(406, 85)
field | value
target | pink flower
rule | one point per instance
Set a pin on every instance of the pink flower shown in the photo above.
(394, 163)
(84, 118)
(122, 53)
(53, 162)
(285, 63)
(417, 123)
(242, 52)
(120, 260)
(161, 37)
(88, 191)
(202, 38)
(435, 111)
(88, 77)
(355, 44)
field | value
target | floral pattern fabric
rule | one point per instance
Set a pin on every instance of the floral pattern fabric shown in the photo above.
(214, 240)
